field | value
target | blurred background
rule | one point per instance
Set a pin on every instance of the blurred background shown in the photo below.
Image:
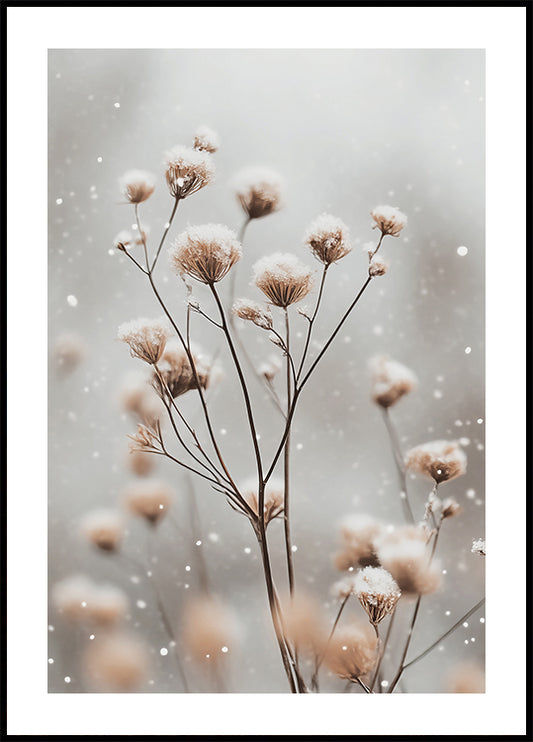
(347, 130)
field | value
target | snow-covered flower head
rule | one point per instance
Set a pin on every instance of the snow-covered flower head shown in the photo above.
(187, 170)
(176, 373)
(478, 546)
(206, 252)
(146, 337)
(389, 219)
(210, 629)
(269, 369)
(283, 278)
(390, 380)
(149, 499)
(107, 605)
(259, 191)
(378, 266)
(328, 239)
(450, 508)
(137, 186)
(103, 528)
(273, 504)
(206, 140)
(144, 440)
(252, 311)
(116, 661)
(377, 591)
(71, 595)
(351, 653)
(138, 397)
(439, 460)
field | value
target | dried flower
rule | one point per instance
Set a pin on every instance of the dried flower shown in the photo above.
(377, 591)
(273, 503)
(351, 653)
(116, 661)
(328, 239)
(144, 439)
(206, 140)
(358, 533)
(140, 400)
(177, 372)
(69, 352)
(210, 630)
(467, 677)
(150, 499)
(378, 266)
(405, 555)
(252, 311)
(450, 508)
(146, 338)
(390, 381)
(259, 191)
(283, 278)
(205, 253)
(103, 528)
(439, 460)
(305, 625)
(389, 219)
(478, 546)
(137, 186)
(187, 171)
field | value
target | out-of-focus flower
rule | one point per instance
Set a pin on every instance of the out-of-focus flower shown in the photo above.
(389, 219)
(283, 278)
(252, 311)
(69, 351)
(144, 439)
(377, 591)
(305, 625)
(71, 596)
(404, 553)
(137, 186)
(358, 534)
(140, 462)
(351, 653)
(177, 373)
(450, 508)
(187, 170)
(146, 338)
(466, 677)
(107, 605)
(116, 661)
(209, 629)
(269, 369)
(390, 381)
(205, 253)
(328, 239)
(438, 460)
(206, 140)
(103, 528)
(259, 191)
(149, 499)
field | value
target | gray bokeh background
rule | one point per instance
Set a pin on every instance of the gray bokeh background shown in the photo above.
(347, 130)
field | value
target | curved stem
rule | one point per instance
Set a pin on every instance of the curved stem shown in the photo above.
(312, 320)
(382, 652)
(320, 660)
(163, 238)
(398, 460)
(286, 470)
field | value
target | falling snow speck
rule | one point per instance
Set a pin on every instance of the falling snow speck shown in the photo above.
(163, 651)
(51, 661)
(72, 300)
(198, 543)
(224, 649)
(141, 604)
(68, 679)
(59, 201)
(462, 251)
(117, 105)
(468, 350)
(99, 159)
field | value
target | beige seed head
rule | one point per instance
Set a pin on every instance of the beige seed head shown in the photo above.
(107, 605)
(283, 279)
(259, 191)
(406, 556)
(209, 629)
(438, 460)
(140, 462)
(328, 239)
(450, 508)
(273, 503)
(136, 186)
(69, 352)
(466, 677)
(116, 661)
(358, 535)
(103, 528)
(146, 338)
(71, 596)
(378, 266)
(377, 591)
(205, 253)
(305, 625)
(175, 373)
(187, 171)
(149, 499)
(389, 219)
(252, 311)
(390, 381)
(206, 140)
(352, 652)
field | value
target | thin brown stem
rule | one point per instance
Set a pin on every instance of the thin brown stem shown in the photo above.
(163, 238)
(320, 660)
(400, 467)
(286, 468)
(382, 651)
(311, 322)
